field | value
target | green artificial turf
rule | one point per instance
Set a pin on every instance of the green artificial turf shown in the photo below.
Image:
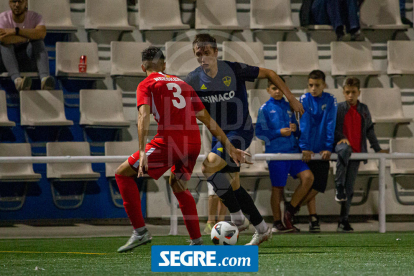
(303, 254)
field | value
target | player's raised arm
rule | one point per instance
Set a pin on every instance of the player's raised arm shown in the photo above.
(277, 81)
(143, 126)
(237, 155)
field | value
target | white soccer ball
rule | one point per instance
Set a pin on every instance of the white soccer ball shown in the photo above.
(225, 233)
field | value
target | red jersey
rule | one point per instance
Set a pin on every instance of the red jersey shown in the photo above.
(174, 104)
(352, 128)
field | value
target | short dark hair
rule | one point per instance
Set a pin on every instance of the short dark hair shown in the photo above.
(353, 81)
(152, 57)
(269, 83)
(203, 40)
(317, 75)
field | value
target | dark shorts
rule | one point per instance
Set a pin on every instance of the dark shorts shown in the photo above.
(240, 139)
(320, 170)
(279, 171)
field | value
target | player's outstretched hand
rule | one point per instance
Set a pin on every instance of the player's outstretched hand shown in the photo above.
(239, 156)
(296, 105)
(143, 164)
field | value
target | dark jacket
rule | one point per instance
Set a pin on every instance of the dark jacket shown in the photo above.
(305, 14)
(367, 126)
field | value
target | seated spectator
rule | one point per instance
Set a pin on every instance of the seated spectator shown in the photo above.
(317, 126)
(277, 126)
(353, 127)
(22, 46)
(337, 13)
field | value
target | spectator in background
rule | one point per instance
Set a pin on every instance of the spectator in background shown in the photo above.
(22, 46)
(337, 13)
(317, 127)
(353, 127)
(277, 126)
(404, 19)
(215, 207)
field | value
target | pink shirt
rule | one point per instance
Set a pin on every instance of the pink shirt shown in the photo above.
(31, 20)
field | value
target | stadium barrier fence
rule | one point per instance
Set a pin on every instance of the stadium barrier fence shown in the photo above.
(382, 157)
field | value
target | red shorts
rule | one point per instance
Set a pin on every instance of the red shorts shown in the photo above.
(180, 158)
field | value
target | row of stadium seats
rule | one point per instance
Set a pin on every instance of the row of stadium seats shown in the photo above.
(46, 108)
(82, 172)
(209, 15)
(293, 58)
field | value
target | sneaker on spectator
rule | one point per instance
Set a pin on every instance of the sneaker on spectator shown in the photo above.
(357, 36)
(48, 83)
(288, 219)
(278, 227)
(24, 83)
(340, 195)
(209, 226)
(314, 226)
(344, 226)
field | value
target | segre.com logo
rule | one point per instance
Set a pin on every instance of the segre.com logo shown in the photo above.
(182, 258)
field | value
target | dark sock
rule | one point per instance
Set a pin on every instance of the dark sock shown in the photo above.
(290, 208)
(276, 222)
(247, 206)
(229, 199)
(313, 217)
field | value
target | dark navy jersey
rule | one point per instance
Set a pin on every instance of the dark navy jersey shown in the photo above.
(225, 95)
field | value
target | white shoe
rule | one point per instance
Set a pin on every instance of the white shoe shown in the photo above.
(259, 238)
(200, 242)
(24, 83)
(47, 83)
(244, 226)
(136, 240)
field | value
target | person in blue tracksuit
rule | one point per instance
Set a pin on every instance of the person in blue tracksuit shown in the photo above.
(277, 126)
(317, 127)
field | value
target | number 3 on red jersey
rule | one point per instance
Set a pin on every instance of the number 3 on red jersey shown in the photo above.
(180, 104)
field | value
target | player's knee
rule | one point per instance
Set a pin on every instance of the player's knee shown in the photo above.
(220, 183)
(308, 179)
(343, 149)
(120, 170)
(177, 185)
(125, 169)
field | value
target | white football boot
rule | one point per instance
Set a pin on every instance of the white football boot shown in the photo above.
(136, 240)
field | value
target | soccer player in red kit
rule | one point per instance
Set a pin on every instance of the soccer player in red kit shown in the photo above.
(175, 106)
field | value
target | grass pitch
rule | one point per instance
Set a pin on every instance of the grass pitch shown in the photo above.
(294, 254)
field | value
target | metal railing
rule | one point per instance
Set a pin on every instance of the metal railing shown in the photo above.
(382, 157)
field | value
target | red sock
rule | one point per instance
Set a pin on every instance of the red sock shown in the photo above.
(189, 210)
(132, 201)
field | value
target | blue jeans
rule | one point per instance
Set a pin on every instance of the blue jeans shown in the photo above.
(337, 13)
(402, 8)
